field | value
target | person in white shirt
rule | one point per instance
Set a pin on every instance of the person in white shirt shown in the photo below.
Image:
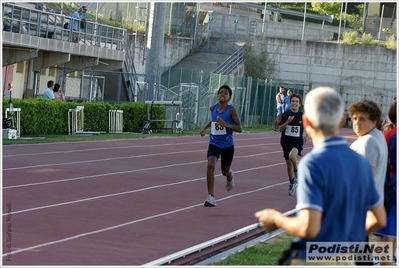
(280, 103)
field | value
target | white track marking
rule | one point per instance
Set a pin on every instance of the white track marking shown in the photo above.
(114, 158)
(132, 191)
(131, 222)
(124, 172)
(103, 148)
(102, 175)
(120, 147)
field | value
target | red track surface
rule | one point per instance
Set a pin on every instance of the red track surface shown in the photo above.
(129, 202)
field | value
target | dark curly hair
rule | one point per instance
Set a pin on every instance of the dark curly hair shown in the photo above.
(226, 87)
(392, 112)
(296, 96)
(369, 107)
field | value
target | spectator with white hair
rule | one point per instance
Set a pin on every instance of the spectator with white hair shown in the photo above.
(336, 196)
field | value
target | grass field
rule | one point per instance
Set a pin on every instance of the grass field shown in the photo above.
(262, 253)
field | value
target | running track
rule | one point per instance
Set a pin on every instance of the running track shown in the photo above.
(129, 202)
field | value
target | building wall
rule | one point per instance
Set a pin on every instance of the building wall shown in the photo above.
(175, 49)
(374, 8)
(356, 71)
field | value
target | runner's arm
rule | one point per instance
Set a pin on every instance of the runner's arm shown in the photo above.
(202, 132)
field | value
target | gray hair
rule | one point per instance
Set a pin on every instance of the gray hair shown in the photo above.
(324, 108)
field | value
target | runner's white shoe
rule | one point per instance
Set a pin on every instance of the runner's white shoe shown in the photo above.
(210, 201)
(292, 187)
(230, 184)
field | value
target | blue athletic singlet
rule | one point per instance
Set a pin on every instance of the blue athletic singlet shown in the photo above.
(220, 136)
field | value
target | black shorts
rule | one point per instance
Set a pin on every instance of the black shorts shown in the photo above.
(288, 147)
(226, 154)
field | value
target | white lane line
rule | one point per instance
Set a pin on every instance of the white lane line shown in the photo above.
(98, 160)
(129, 192)
(132, 222)
(115, 158)
(103, 175)
(123, 172)
(103, 148)
(119, 147)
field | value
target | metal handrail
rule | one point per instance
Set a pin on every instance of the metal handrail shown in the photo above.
(197, 248)
(328, 18)
(131, 74)
(231, 62)
(51, 25)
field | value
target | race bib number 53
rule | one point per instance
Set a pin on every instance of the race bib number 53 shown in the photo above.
(292, 131)
(217, 129)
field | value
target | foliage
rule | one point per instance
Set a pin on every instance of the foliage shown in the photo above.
(328, 8)
(325, 8)
(258, 64)
(46, 117)
(391, 42)
(299, 6)
(349, 38)
(386, 31)
(96, 116)
(368, 40)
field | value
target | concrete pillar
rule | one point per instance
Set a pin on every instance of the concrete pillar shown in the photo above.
(155, 46)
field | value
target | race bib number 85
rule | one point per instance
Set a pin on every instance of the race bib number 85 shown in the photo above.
(217, 129)
(292, 131)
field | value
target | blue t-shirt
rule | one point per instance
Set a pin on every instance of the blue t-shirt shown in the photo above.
(287, 103)
(75, 21)
(220, 136)
(338, 182)
(48, 94)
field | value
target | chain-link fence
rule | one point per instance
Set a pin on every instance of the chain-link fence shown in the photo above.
(254, 99)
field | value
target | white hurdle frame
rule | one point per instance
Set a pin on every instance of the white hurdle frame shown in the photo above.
(75, 120)
(115, 118)
(17, 117)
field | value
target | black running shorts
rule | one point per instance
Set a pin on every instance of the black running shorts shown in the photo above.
(226, 154)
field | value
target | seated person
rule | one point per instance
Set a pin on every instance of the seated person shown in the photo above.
(58, 93)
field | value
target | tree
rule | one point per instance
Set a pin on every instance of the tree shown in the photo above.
(258, 65)
(328, 8)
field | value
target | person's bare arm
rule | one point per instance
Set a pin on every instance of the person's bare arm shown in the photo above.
(283, 126)
(237, 124)
(202, 132)
(306, 225)
(376, 219)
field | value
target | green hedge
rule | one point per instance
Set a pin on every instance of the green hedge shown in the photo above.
(44, 116)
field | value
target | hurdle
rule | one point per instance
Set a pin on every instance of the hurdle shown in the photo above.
(171, 122)
(115, 118)
(15, 115)
(75, 120)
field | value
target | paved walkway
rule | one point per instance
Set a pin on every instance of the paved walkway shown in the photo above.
(207, 61)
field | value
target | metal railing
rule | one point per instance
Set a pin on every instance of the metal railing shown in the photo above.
(44, 24)
(328, 18)
(231, 63)
(197, 248)
(130, 76)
